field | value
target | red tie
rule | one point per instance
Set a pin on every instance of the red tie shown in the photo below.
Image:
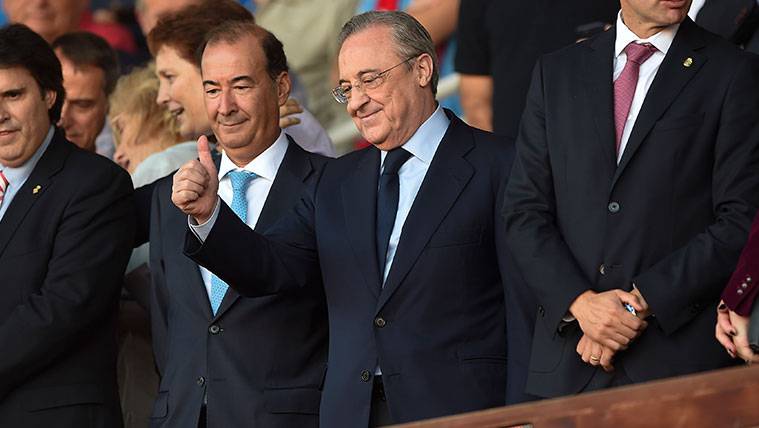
(3, 185)
(624, 86)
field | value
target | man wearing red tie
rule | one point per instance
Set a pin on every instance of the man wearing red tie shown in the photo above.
(630, 197)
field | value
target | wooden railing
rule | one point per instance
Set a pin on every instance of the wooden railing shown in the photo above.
(720, 398)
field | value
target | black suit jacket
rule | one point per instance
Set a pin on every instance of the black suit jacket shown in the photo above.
(437, 328)
(63, 250)
(735, 20)
(671, 217)
(261, 361)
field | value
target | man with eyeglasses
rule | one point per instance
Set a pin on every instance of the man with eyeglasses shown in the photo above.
(405, 236)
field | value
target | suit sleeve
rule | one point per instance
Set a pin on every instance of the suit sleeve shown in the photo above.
(159, 293)
(742, 290)
(81, 286)
(548, 266)
(679, 286)
(258, 265)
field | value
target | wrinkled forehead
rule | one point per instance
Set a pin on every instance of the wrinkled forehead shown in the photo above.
(372, 49)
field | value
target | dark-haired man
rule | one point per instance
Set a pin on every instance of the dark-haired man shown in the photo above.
(90, 70)
(66, 225)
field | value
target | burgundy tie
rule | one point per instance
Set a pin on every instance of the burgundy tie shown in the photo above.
(3, 185)
(624, 86)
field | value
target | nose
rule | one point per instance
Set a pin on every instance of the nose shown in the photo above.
(357, 100)
(65, 121)
(121, 158)
(163, 95)
(227, 104)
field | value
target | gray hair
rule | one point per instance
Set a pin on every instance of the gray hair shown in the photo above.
(410, 37)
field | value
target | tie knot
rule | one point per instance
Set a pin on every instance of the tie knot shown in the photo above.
(394, 160)
(3, 183)
(240, 180)
(639, 53)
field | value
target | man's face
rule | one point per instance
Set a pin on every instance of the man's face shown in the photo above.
(241, 98)
(384, 115)
(181, 92)
(152, 10)
(24, 119)
(650, 16)
(86, 104)
(48, 18)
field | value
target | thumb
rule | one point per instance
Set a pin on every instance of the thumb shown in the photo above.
(204, 154)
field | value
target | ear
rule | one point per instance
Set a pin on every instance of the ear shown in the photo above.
(423, 69)
(283, 87)
(50, 97)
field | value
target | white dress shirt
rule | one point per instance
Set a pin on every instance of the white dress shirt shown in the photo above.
(695, 8)
(265, 166)
(18, 176)
(662, 41)
(422, 146)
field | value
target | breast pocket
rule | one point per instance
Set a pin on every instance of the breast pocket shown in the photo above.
(689, 121)
(456, 236)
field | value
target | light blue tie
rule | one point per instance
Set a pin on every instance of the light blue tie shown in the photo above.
(240, 181)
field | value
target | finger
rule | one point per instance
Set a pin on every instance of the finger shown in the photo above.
(596, 352)
(725, 340)
(204, 155)
(285, 122)
(723, 321)
(628, 322)
(586, 352)
(188, 185)
(606, 360)
(184, 197)
(197, 175)
(632, 300)
(581, 345)
(290, 107)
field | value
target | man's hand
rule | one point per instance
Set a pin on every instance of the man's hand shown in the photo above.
(740, 339)
(196, 185)
(595, 354)
(604, 320)
(286, 112)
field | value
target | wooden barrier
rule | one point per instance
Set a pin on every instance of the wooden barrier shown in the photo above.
(720, 398)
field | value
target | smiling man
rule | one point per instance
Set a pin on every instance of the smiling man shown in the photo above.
(66, 226)
(636, 183)
(404, 236)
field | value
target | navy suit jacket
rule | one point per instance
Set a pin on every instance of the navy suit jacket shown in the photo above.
(671, 217)
(64, 243)
(260, 361)
(438, 327)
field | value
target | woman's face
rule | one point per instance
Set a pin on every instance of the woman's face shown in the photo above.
(134, 145)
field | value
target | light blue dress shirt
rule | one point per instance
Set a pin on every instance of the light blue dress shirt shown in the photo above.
(18, 176)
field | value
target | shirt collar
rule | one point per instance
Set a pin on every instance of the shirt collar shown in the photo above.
(425, 141)
(20, 174)
(661, 40)
(264, 165)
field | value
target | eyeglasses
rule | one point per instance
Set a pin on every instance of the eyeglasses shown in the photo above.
(342, 93)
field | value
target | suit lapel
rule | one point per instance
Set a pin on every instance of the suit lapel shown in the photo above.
(359, 195)
(672, 76)
(49, 164)
(284, 193)
(599, 64)
(446, 178)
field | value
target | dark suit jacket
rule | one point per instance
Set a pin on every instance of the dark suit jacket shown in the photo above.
(261, 361)
(735, 20)
(671, 217)
(63, 250)
(743, 287)
(437, 327)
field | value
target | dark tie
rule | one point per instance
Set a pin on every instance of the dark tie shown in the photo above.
(387, 203)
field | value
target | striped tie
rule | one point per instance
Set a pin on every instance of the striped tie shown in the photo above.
(3, 185)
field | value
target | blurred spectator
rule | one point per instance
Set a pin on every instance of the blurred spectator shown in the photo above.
(50, 18)
(311, 55)
(148, 11)
(499, 42)
(145, 133)
(174, 43)
(735, 20)
(90, 70)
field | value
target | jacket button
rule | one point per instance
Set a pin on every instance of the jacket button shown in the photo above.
(613, 207)
(541, 311)
(748, 279)
(602, 269)
(379, 322)
(200, 381)
(365, 376)
(214, 329)
(744, 286)
(740, 291)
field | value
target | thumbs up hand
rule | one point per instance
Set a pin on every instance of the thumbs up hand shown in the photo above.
(196, 184)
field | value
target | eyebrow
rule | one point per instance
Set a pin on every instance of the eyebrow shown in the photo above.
(361, 73)
(19, 90)
(235, 79)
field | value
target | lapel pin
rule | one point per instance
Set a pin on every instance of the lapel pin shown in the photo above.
(36, 189)
(688, 62)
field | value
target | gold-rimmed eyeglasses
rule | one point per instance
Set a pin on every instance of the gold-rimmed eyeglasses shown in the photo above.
(369, 81)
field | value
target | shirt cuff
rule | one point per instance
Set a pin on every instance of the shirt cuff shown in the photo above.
(201, 231)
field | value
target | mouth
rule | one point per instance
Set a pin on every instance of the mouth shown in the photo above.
(177, 112)
(6, 132)
(365, 116)
(674, 4)
(230, 125)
